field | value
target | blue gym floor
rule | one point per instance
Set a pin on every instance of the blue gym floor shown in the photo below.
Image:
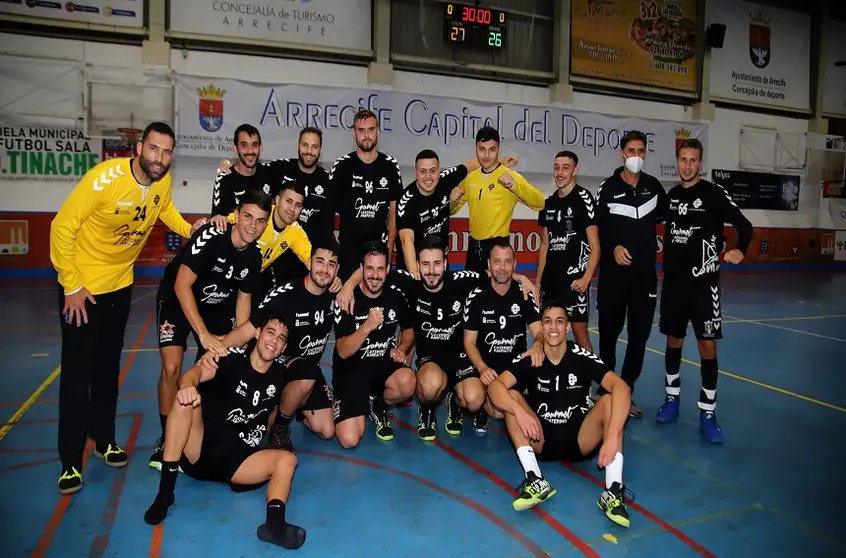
(770, 490)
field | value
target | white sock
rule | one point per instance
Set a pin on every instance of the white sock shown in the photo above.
(614, 471)
(528, 460)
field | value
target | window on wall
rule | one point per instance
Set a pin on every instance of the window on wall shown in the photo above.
(514, 36)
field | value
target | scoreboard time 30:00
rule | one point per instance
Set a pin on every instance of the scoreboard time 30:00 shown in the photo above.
(479, 27)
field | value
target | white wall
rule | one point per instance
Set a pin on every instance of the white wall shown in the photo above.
(193, 176)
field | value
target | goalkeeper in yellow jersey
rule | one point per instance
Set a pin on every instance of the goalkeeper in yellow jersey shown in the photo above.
(95, 239)
(491, 193)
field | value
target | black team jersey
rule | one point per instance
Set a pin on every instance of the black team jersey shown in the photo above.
(228, 188)
(378, 344)
(237, 402)
(364, 192)
(556, 391)
(221, 269)
(438, 316)
(310, 317)
(429, 215)
(693, 235)
(318, 215)
(566, 220)
(501, 321)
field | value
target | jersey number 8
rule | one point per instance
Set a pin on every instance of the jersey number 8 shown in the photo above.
(256, 395)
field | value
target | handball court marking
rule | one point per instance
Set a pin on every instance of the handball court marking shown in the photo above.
(744, 378)
(7, 427)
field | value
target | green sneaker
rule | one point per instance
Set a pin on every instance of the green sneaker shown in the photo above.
(113, 455)
(454, 420)
(382, 419)
(427, 424)
(613, 502)
(533, 491)
(70, 481)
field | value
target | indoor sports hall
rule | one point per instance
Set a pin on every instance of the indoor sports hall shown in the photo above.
(761, 84)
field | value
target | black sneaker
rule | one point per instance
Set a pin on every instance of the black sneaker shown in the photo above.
(112, 454)
(480, 421)
(612, 501)
(280, 438)
(427, 424)
(454, 420)
(158, 455)
(70, 481)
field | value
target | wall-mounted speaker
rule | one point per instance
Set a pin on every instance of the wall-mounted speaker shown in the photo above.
(715, 35)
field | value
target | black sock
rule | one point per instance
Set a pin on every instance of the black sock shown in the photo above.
(163, 421)
(283, 420)
(275, 511)
(672, 364)
(708, 391)
(157, 512)
(429, 406)
(277, 531)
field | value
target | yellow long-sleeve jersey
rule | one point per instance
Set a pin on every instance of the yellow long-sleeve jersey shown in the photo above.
(104, 223)
(272, 243)
(492, 204)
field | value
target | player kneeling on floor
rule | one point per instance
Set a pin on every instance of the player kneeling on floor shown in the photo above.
(216, 427)
(556, 420)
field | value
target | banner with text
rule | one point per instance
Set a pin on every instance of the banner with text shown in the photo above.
(644, 42)
(760, 190)
(329, 23)
(46, 154)
(122, 13)
(834, 67)
(410, 123)
(766, 55)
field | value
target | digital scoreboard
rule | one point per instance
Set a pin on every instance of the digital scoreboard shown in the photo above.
(474, 26)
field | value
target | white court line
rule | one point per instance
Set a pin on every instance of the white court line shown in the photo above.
(136, 299)
(741, 320)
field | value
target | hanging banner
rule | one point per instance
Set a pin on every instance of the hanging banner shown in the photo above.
(647, 42)
(46, 154)
(410, 123)
(760, 190)
(766, 55)
(122, 13)
(328, 23)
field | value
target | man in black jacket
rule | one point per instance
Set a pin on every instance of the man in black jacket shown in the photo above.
(629, 205)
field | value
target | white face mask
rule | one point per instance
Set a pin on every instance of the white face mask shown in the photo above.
(634, 164)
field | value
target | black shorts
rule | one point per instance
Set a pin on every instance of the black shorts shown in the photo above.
(456, 367)
(353, 387)
(561, 441)
(696, 303)
(174, 327)
(218, 462)
(576, 304)
(307, 369)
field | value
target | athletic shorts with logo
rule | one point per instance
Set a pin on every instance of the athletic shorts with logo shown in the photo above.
(299, 368)
(576, 304)
(697, 303)
(456, 367)
(174, 328)
(561, 441)
(218, 462)
(353, 386)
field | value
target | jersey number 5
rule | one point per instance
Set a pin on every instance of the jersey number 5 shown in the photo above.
(140, 213)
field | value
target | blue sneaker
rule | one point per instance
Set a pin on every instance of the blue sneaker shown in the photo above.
(669, 411)
(710, 428)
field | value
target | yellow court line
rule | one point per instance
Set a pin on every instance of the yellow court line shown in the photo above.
(747, 380)
(794, 318)
(28, 403)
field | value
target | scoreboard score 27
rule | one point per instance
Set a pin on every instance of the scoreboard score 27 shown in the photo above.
(475, 26)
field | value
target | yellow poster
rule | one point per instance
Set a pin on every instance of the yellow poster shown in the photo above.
(644, 42)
